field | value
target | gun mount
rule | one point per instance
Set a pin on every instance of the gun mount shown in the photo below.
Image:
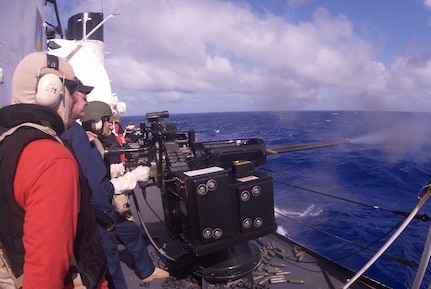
(214, 200)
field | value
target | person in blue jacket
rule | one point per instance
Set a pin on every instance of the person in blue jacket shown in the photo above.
(112, 226)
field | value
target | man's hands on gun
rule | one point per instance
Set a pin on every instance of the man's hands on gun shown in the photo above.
(123, 184)
(117, 170)
(128, 181)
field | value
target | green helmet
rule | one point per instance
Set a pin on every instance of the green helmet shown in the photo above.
(95, 110)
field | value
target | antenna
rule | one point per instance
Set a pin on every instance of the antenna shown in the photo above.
(79, 45)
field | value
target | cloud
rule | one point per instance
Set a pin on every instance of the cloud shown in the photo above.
(225, 53)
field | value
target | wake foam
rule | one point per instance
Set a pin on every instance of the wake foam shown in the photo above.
(311, 211)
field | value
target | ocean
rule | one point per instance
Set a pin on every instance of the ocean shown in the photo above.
(340, 201)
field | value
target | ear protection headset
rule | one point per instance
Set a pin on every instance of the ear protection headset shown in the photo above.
(50, 87)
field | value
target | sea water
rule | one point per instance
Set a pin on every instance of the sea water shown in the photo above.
(340, 201)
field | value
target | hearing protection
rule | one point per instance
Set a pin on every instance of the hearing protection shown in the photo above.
(50, 87)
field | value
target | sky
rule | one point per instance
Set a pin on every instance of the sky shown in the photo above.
(190, 56)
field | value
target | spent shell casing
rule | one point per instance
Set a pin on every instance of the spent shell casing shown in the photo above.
(258, 277)
(278, 265)
(282, 255)
(277, 280)
(282, 273)
(297, 253)
(272, 270)
(264, 280)
(278, 249)
(260, 267)
(300, 257)
(295, 281)
(281, 250)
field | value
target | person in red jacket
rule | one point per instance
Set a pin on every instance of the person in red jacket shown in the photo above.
(47, 225)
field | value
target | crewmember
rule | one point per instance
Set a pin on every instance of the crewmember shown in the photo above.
(47, 226)
(130, 132)
(112, 226)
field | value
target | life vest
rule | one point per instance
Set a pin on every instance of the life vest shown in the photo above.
(89, 258)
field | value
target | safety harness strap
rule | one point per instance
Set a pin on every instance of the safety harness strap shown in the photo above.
(45, 129)
(7, 278)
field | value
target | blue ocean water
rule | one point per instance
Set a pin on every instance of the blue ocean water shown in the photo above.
(382, 170)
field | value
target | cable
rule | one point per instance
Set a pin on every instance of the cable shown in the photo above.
(160, 250)
(144, 193)
(410, 263)
(422, 217)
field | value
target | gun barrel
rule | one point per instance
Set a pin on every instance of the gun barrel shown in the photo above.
(157, 115)
(121, 150)
(280, 149)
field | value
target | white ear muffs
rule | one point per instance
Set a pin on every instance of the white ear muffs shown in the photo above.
(98, 125)
(49, 90)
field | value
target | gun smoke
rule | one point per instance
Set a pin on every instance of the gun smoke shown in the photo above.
(399, 133)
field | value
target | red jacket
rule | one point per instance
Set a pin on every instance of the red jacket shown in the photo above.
(46, 187)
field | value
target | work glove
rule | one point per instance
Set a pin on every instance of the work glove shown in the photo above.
(142, 173)
(122, 206)
(129, 180)
(117, 170)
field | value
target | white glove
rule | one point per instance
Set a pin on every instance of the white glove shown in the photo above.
(117, 170)
(122, 206)
(142, 173)
(129, 180)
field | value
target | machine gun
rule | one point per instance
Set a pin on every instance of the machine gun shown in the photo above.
(214, 199)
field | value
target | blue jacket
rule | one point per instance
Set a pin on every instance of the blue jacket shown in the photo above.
(94, 171)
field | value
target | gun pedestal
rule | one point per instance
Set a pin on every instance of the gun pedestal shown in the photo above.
(222, 266)
(227, 265)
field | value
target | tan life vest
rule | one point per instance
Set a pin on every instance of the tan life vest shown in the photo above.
(7, 278)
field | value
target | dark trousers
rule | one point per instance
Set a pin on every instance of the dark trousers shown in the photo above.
(114, 274)
(129, 234)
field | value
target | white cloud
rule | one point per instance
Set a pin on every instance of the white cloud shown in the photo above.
(216, 49)
(427, 3)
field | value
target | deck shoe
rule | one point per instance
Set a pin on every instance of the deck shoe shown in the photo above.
(157, 274)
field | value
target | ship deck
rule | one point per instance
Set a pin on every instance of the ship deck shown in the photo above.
(273, 262)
